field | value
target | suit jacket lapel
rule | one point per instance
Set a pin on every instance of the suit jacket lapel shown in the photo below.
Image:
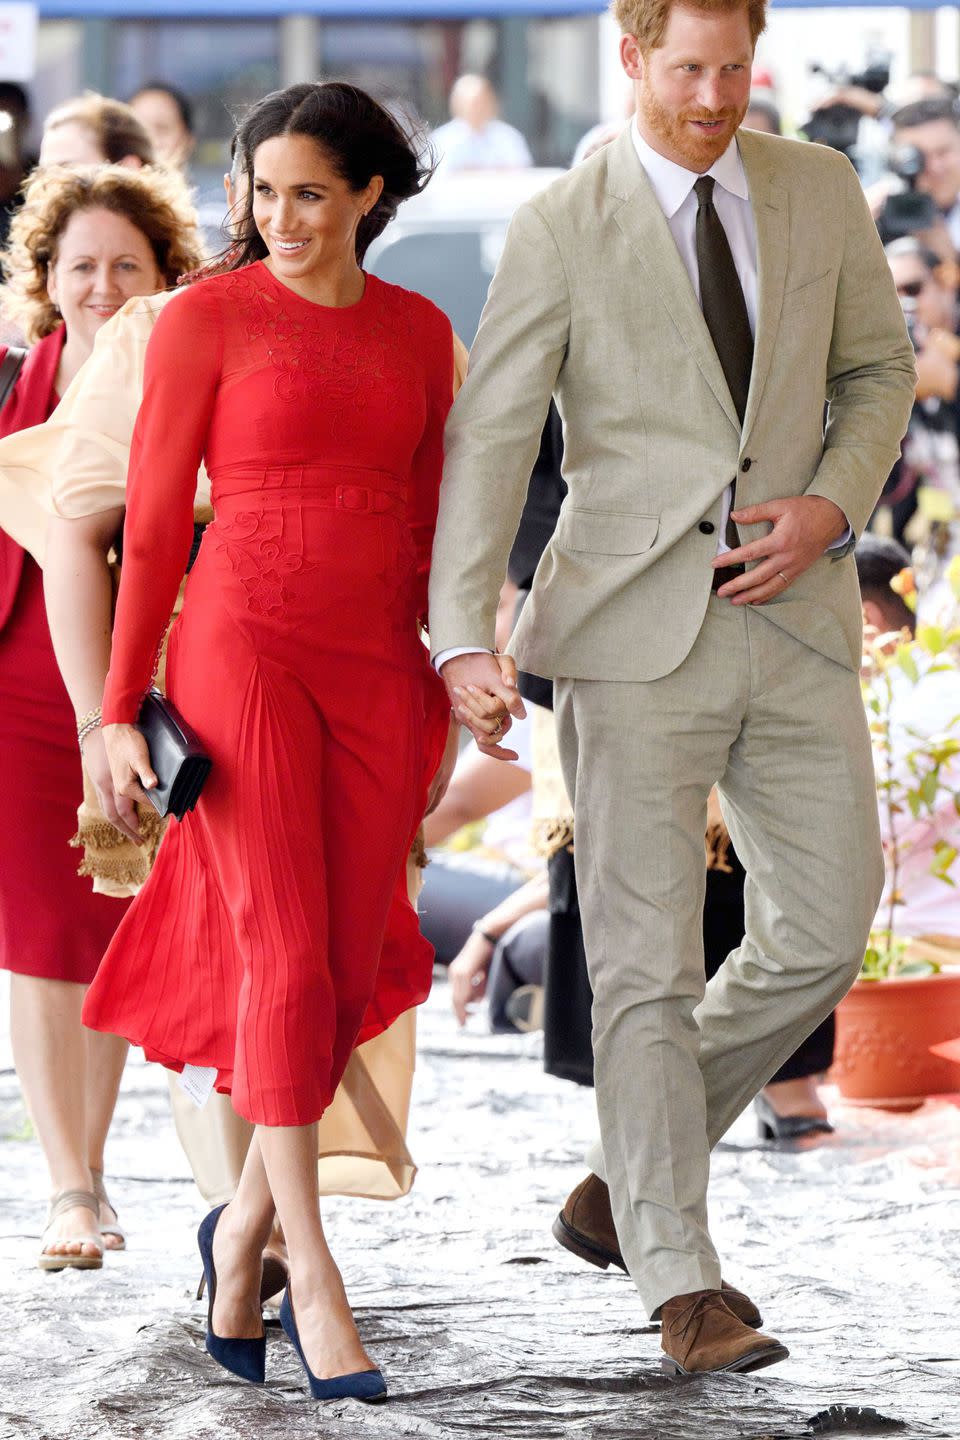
(771, 216)
(643, 225)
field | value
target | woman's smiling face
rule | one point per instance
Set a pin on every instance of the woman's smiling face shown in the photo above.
(307, 215)
(102, 261)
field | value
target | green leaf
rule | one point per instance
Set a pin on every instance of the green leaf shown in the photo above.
(931, 638)
(907, 663)
(944, 855)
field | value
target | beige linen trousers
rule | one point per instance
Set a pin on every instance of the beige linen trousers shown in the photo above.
(663, 689)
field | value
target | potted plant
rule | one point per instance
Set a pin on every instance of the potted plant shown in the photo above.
(906, 999)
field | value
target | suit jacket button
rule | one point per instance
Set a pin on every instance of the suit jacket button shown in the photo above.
(707, 527)
(747, 462)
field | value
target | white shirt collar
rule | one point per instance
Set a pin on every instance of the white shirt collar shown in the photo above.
(672, 183)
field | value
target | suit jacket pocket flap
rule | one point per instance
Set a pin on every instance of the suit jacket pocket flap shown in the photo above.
(605, 533)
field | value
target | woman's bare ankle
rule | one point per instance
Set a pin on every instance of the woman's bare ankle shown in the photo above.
(243, 1229)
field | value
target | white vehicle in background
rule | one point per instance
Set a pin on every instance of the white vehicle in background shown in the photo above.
(446, 242)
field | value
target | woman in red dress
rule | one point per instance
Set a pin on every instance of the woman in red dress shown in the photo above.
(316, 396)
(83, 243)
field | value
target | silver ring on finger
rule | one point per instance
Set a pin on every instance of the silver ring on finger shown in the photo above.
(783, 577)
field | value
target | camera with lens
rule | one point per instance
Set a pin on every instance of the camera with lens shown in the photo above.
(838, 125)
(909, 210)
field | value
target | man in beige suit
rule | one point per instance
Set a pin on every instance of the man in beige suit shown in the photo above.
(691, 298)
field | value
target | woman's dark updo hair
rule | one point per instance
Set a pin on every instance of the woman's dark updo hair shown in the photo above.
(358, 136)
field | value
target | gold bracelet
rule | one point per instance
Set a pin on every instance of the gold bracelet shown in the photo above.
(90, 720)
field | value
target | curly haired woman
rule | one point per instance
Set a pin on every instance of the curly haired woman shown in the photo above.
(85, 242)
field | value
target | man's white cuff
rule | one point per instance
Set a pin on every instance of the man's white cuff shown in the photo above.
(446, 655)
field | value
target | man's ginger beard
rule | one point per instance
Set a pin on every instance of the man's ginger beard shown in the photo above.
(698, 151)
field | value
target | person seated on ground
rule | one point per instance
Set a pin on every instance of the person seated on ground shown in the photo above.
(503, 961)
(484, 908)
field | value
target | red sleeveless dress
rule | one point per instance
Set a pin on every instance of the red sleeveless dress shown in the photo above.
(274, 933)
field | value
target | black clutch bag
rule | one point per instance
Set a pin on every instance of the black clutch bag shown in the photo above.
(176, 754)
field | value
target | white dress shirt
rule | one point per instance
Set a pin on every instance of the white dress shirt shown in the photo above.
(673, 187)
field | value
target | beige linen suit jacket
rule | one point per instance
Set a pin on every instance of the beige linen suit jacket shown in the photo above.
(591, 302)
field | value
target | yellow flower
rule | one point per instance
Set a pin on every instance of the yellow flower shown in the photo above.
(904, 583)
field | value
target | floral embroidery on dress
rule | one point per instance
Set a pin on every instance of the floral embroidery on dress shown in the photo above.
(253, 542)
(323, 364)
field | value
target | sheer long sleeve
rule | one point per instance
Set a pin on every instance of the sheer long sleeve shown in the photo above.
(446, 376)
(183, 366)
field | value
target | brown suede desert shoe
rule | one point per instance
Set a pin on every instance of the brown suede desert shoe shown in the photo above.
(700, 1334)
(585, 1228)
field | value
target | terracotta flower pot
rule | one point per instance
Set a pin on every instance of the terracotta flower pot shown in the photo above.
(884, 1032)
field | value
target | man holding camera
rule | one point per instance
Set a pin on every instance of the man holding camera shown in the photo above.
(932, 127)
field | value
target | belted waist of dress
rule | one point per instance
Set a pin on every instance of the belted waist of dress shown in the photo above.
(352, 488)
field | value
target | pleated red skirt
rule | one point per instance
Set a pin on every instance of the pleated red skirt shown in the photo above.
(275, 933)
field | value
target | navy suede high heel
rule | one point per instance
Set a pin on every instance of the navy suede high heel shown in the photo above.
(246, 1358)
(361, 1385)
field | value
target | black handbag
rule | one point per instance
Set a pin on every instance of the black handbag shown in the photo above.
(568, 996)
(178, 758)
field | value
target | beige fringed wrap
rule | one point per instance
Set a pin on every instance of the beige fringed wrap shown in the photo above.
(553, 813)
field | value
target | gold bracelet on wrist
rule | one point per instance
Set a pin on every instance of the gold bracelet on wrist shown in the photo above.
(92, 717)
(90, 722)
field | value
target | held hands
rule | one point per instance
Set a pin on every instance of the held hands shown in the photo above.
(130, 768)
(483, 696)
(802, 527)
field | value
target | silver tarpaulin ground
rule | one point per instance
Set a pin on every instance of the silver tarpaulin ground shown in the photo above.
(482, 1325)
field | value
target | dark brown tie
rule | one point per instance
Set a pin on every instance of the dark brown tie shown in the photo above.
(724, 308)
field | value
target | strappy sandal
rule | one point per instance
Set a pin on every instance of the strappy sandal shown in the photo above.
(112, 1227)
(72, 1200)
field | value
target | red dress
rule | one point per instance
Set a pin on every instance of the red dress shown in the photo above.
(260, 945)
(52, 925)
